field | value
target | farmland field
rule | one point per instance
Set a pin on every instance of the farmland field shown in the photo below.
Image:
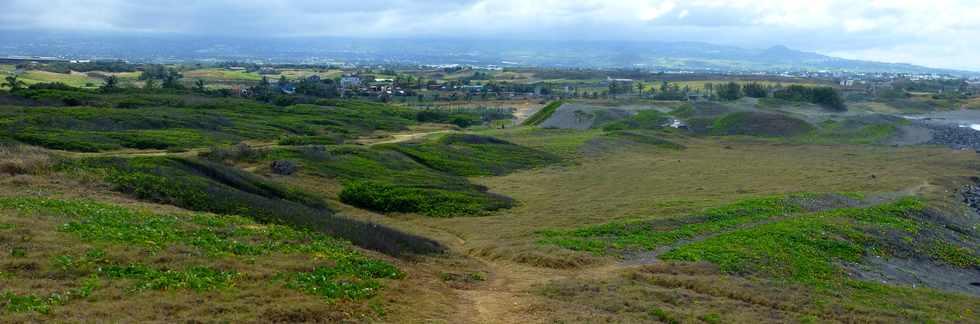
(222, 75)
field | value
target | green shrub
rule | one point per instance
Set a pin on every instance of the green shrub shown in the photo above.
(204, 186)
(312, 140)
(474, 155)
(760, 124)
(385, 197)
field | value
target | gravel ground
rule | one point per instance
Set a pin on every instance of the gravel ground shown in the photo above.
(574, 116)
(954, 136)
(917, 273)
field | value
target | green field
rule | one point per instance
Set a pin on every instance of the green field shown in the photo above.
(75, 79)
(222, 75)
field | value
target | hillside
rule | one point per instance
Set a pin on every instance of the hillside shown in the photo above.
(170, 205)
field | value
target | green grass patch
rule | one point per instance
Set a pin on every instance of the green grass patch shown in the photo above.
(836, 132)
(350, 279)
(804, 248)
(195, 278)
(543, 114)
(954, 255)
(343, 272)
(647, 235)
(19, 303)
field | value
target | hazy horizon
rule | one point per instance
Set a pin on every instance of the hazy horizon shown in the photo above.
(936, 34)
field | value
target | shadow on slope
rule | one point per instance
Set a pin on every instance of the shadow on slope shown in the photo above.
(205, 186)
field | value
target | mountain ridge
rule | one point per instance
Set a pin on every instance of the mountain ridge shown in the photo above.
(687, 55)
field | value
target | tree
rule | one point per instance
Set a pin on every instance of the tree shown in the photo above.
(153, 71)
(282, 81)
(639, 87)
(13, 84)
(199, 86)
(829, 98)
(149, 84)
(755, 90)
(825, 96)
(172, 79)
(111, 84)
(729, 91)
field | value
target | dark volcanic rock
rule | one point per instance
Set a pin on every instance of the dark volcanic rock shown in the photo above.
(954, 136)
(284, 167)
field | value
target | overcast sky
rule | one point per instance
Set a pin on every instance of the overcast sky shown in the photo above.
(937, 33)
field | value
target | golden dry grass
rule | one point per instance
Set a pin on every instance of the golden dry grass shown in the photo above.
(644, 184)
(528, 282)
(24, 160)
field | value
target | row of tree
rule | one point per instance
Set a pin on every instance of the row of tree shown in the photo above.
(827, 97)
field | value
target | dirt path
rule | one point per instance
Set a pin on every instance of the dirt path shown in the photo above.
(398, 138)
(509, 294)
(393, 138)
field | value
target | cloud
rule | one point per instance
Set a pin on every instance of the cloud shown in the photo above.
(936, 32)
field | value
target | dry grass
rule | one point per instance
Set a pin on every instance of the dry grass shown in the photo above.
(644, 184)
(258, 296)
(698, 293)
(625, 184)
(25, 160)
(639, 183)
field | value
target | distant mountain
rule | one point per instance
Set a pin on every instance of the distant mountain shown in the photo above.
(693, 56)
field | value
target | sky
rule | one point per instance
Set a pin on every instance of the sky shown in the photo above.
(935, 33)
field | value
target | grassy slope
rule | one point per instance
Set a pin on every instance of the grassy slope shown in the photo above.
(426, 177)
(797, 259)
(630, 184)
(203, 186)
(172, 122)
(78, 259)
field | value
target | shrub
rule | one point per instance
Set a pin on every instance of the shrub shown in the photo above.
(204, 186)
(312, 140)
(824, 96)
(760, 124)
(385, 197)
(473, 155)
